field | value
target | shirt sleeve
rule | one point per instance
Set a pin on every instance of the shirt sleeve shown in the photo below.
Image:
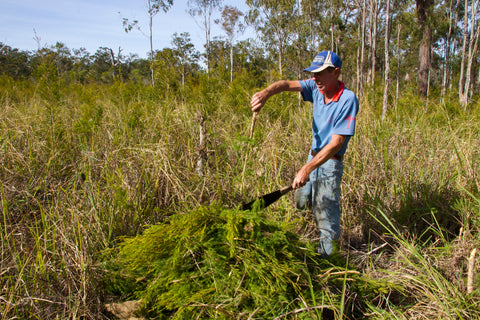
(307, 89)
(344, 123)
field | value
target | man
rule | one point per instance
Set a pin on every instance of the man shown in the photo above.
(335, 109)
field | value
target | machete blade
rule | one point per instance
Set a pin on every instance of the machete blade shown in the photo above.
(268, 198)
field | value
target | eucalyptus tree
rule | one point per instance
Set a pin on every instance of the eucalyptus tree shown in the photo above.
(166, 63)
(62, 58)
(153, 8)
(81, 64)
(311, 13)
(185, 52)
(205, 9)
(231, 24)
(251, 57)
(298, 51)
(274, 20)
(461, 80)
(105, 65)
(220, 58)
(52, 65)
(390, 14)
(424, 13)
(471, 29)
(374, 6)
(362, 25)
(387, 62)
(451, 13)
(138, 69)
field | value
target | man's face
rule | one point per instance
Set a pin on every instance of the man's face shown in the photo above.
(326, 80)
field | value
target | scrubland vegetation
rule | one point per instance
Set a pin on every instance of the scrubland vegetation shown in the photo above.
(101, 203)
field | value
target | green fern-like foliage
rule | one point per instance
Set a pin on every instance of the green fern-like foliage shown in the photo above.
(219, 263)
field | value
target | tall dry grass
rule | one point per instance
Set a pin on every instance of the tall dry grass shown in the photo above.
(84, 166)
(411, 206)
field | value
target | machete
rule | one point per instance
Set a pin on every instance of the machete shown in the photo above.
(268, 199)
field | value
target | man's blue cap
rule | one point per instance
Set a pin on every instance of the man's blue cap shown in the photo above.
(323, 60)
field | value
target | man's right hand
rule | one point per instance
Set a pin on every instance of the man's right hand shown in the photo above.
(301, 178)
(258, 100)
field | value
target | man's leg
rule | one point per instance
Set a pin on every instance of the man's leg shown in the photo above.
(303, 195)
(326, 189)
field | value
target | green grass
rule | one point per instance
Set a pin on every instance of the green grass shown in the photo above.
(84, 167)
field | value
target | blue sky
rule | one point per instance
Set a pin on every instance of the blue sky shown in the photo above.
(98, 23)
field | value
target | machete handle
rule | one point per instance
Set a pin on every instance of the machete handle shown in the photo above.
(286, 189)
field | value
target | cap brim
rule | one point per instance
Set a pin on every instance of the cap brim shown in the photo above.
(317, 68)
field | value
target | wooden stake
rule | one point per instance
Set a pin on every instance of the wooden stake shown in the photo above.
(252, 125)
(202, 148)
(471, 271)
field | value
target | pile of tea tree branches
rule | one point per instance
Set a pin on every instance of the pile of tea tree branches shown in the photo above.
(220, 263)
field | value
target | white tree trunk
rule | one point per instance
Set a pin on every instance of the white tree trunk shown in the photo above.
(387, 62)
(472, 50)
(332, 45)
(374, 43)
(231, 61)
(464, 54)
(399, 58)
(373, 40)
(150, 13)
(357, 85)
(452, 20)
(362, 52)
(202, 145)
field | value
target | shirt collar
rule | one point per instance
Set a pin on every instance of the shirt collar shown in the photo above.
(339, 92)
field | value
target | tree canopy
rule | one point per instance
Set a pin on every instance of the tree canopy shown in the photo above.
(432, 45)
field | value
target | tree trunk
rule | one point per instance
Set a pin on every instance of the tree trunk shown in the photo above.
(280, 57)
(423, 9)
(370, 38)
(202, 145)
(357, 84)
(397, 90)
(362, 52)
(387, 62)
(206, 23)
(231, 61)
(464, 55)
(183, 76)
(374, 40)
(332, 45)
(472, 50)
(477, 86)
(112, 61)
(311, 27)
(150, 13)
(452, 19)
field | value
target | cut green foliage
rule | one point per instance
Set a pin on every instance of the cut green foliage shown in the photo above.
(214, 262)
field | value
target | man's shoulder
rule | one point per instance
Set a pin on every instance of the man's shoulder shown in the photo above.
(348, 91)
(348, 94)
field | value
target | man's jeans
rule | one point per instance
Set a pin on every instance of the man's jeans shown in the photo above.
(322, 193)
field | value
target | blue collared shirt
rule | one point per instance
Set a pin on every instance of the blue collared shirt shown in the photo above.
(336, 117)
